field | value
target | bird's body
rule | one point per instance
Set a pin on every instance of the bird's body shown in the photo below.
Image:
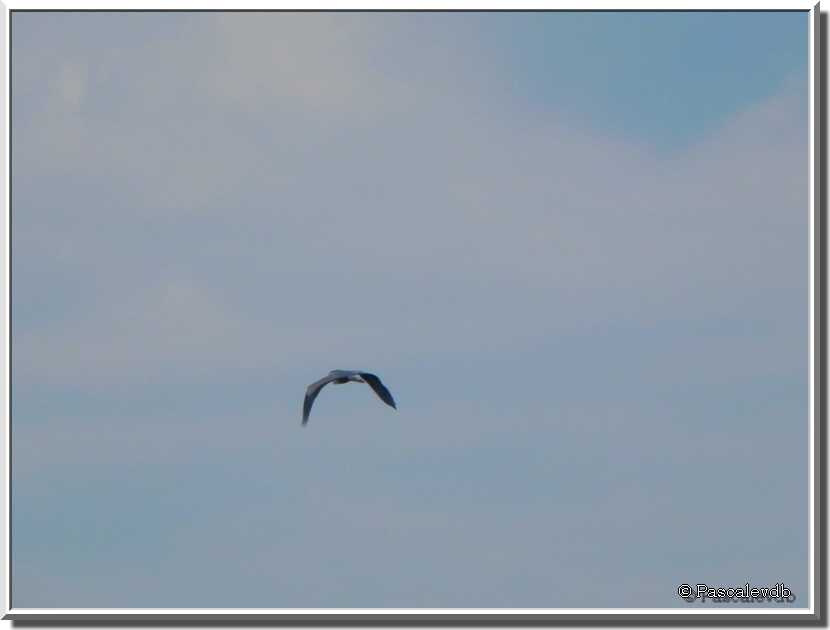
(345, 376)
(340, 377)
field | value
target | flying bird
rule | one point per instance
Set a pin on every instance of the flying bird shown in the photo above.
(338, 377)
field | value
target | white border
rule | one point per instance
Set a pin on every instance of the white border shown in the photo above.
(483, 5)
(244, 612)
(114, 5)
(7, 591)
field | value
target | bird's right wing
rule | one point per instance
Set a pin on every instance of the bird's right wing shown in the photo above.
(311, 393)
(380, 389)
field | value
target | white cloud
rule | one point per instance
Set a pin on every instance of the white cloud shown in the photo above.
(323, 210)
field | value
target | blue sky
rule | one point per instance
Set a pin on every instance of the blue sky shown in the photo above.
(574, 246)
(709, 66)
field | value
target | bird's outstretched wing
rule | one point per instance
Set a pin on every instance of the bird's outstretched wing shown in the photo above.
(379, 388)
(311, 393)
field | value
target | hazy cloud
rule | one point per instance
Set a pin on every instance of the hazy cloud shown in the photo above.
(588, 336)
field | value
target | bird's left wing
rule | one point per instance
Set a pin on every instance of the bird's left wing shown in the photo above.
(311, 393)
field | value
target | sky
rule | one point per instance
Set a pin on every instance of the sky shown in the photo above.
(573, 245)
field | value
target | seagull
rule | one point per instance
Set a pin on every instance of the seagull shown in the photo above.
(338, 377)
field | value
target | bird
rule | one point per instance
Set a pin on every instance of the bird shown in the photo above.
(338, 377)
